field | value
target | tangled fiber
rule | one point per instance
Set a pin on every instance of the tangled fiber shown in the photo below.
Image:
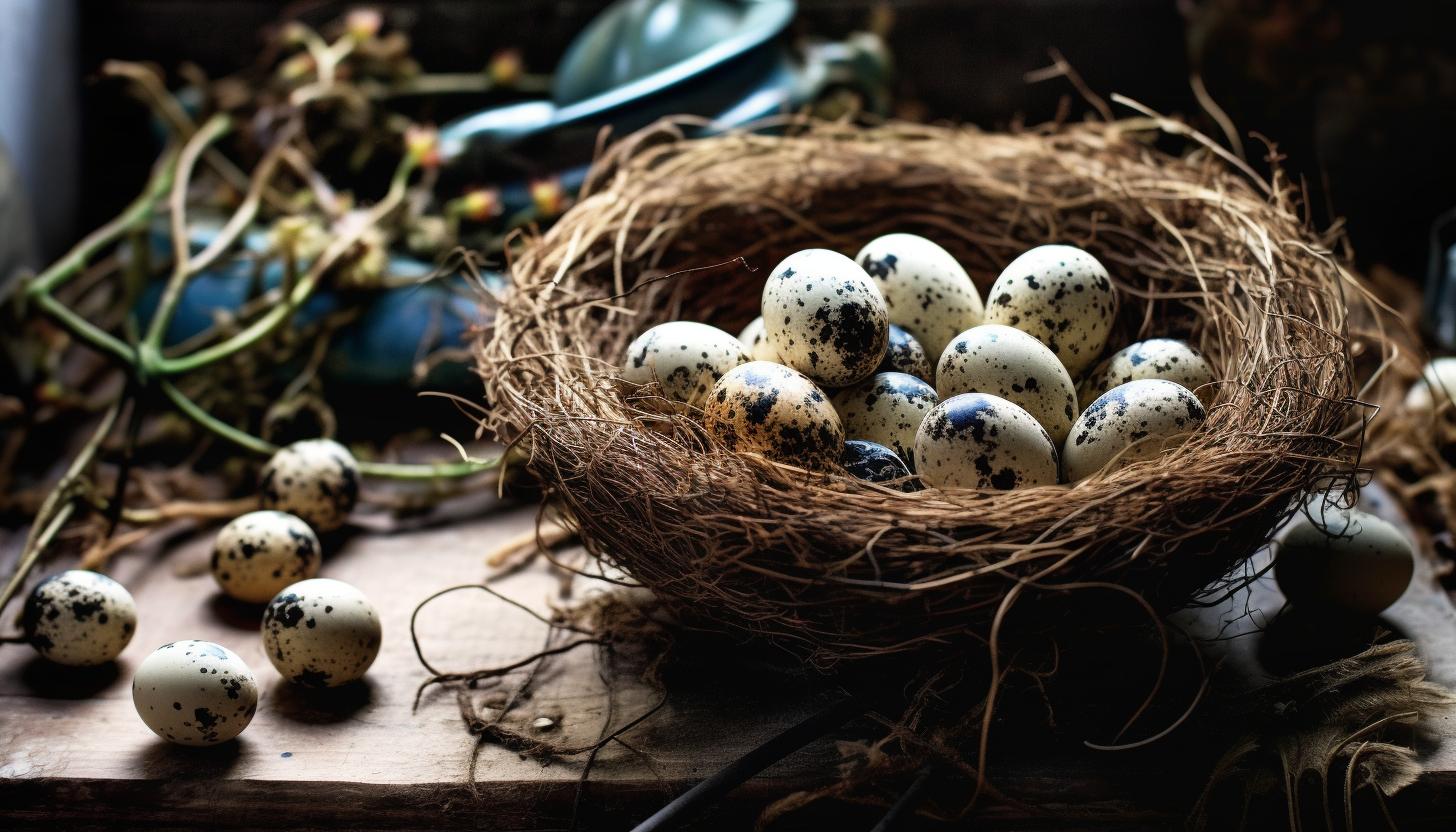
(1200, 247)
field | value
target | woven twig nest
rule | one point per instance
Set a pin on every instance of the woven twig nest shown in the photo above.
(837, 568)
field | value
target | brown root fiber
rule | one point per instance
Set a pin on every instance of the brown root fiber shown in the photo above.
(838, 569)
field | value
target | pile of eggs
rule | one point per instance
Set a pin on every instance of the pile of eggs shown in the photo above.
(892, 366)
(316, 632)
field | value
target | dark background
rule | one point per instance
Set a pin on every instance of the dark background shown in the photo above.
(1359, 95)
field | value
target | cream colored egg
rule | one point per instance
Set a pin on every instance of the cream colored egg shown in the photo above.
(1006, 362)
(321, 633)
(316, 480)
(825, 317)
(926, 290)
(260, 553)
(1131, 422)
(887, 409)
(79, 618)
(1163, 358)
(978, 441)
(687, 357)
(1346, 560)
(906, 355)
(1439, 375)
(1061, 296)
(776, 411)
(195, 693)
(755, 339)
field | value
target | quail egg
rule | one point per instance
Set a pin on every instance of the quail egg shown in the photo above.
(1440, 376)
(687, 357)
(79, 618)
(321, 633)
(775, 411)
(316, 480)
(1060, 295)
(871, 462)
(906, 355)
(260, 553)
(825, 317)
(926, 290)
(755, 339)
(1130, 422)
(195, 693)
(1006, 362)
(1344, 559)
(979, 441)
(887, 409)
(1162, 358)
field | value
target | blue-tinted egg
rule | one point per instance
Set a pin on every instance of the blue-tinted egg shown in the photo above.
(873, 462)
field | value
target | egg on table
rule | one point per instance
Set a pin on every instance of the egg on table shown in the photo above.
(926, 290)
(825, 317)
(1344, 559)
(979, 441)
(195, 693)
(1006, 362)
(775, 411)
(687, 357)
(1438, 376)
(260, 553)
(887, 409)
(1163, 358)
(321, 633)
(316, 480)
(906, 355)
(872, 462)
(79, 618)
(1062, 296)
(755, 339)
(1130, 422)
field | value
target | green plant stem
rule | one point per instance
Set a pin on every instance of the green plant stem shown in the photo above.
(195, 412)
(85, 330)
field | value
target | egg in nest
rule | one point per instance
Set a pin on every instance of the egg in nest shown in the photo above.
(906, 355)
(825, 317)
(926, 290)
(79, 618)
(979, 441)
(775, 411)
(316, 480)
(1130, 422)
(1060, 295)
(1164, 358)
(195, 693)
(873, 462)
(321, 633)
(1006, 362)
(887, 409)
(755, 339)
(260, 553)
(687, 357)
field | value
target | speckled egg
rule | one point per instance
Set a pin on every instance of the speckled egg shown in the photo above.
(776, 411)
(755, 339)
(872, 462)
(321, 633)
(1163, 358)
(258, 554)
(195, 693)
(79, 618)
(1346, 560)
(316, 480)
(1061, 296)
(925, 289)
(887, 408)
(825, 317)
(1440, 376)
(979, 441)
(687, 357)
(906, 355)
(1006, 362)
(1130, 422)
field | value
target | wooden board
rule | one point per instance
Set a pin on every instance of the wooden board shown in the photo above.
(73, 751)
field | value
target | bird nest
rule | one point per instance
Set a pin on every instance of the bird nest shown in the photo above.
(1199, 247)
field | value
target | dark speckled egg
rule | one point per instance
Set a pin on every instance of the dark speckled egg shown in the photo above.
(926, 290)
(887, 409)
(872, 462)
(262, 552)
(906, 355)
(316, 480)
(321, 633)
(776, 411)
(195, 693)
(825, 317)
(1163, 358)
(686, 357)
(1131, 422)
(79, 618)
(1060, 295)
(1006, 362)
(978, 441)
